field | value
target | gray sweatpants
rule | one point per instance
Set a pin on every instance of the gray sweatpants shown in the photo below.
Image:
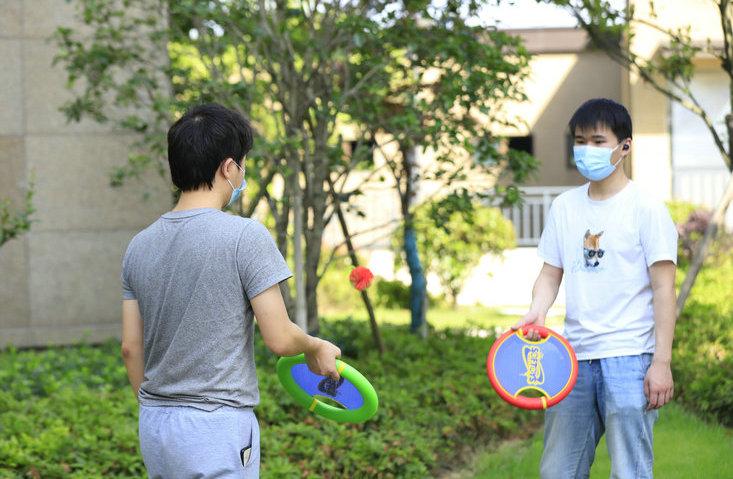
(188, 443)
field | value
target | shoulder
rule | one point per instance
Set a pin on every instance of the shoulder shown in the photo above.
(222, 222)
(645, 201)
(143, 236)
(571, 197)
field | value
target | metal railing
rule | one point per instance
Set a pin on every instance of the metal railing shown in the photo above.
(529, 217)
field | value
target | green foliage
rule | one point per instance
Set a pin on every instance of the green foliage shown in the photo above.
(434, 399)
(335, 291)
(393, 294)
(434, 77)
(453, 235)
(680, 211)
(703, 348)
(69, 412)
(16, 223)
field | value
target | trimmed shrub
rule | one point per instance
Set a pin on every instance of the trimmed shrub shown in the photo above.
(69, 412)
(703, 350)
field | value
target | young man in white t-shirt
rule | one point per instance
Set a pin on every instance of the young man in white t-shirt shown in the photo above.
(616, 248)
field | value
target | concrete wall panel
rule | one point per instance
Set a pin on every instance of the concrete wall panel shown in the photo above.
(75, 277)
(14, 294)
(11, 20)
(11, 93)
(73, 184)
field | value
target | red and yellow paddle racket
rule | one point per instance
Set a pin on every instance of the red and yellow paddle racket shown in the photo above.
(516, 365)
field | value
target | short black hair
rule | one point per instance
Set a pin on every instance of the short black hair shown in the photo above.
(201, 139)
(602, 111)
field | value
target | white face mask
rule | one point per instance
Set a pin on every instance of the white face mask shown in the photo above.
(594, 162)
(236, 191)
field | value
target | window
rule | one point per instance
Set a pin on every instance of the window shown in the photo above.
(522, 143)
(364, 147)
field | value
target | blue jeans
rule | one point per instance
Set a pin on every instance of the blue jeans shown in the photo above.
(608, 396)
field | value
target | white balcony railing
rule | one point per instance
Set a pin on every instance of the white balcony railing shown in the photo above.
(529, 217)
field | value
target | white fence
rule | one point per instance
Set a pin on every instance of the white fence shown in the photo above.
(380, 215)
(529, 217)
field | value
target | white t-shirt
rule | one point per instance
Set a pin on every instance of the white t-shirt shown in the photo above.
(605, 249)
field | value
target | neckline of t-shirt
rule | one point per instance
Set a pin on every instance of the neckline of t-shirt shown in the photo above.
(616, 197)
(174, 215)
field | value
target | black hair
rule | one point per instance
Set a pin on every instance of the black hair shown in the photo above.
(201, 139)
(605, 112)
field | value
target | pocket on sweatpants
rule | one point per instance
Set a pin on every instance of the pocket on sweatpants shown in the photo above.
(249, 453)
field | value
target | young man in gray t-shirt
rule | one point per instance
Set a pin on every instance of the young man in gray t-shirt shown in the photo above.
(193, 282)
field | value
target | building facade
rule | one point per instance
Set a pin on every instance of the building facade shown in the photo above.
(60, 283)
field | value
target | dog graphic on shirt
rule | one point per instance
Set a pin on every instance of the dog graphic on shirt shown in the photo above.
(592, 251)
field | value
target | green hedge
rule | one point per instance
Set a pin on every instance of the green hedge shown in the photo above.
(702, 361)
(69, 412)
(703, 350)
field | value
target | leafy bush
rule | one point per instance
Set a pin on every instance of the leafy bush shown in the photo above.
(691, 222)
(703, 349)
(69, 412)
(393, 294)
(680, 210)
(453, 235)
(334, 289)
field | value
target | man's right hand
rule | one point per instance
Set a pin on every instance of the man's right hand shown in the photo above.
(321, 359)
(531, 318)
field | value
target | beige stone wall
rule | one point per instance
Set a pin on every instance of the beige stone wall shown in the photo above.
(60, 282)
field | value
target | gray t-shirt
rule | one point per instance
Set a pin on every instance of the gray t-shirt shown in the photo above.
(193, 273)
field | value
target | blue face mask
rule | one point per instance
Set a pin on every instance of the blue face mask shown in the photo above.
(236, 191)
(594, 162)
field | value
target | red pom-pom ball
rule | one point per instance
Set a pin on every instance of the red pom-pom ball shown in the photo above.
(361, 277)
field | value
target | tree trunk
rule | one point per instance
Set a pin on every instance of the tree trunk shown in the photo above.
(418, 292)
(701, 252)
(301, 314)
(316, 169)
(355, 262)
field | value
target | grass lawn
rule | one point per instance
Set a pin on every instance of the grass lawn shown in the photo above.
(684, 448)
(466, 317)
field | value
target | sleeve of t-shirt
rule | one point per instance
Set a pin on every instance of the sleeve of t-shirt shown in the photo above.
(127, 291)
(548, 248)
(658, 234)
(259, 261)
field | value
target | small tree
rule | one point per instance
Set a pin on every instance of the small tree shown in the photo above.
(299, 70)
(442, 93)
(452, 239)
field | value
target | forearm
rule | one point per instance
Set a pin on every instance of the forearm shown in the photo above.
(545, 289)
(132, 344)
(664, 303)
(134, 364)
(664, 323)
(281, 336)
